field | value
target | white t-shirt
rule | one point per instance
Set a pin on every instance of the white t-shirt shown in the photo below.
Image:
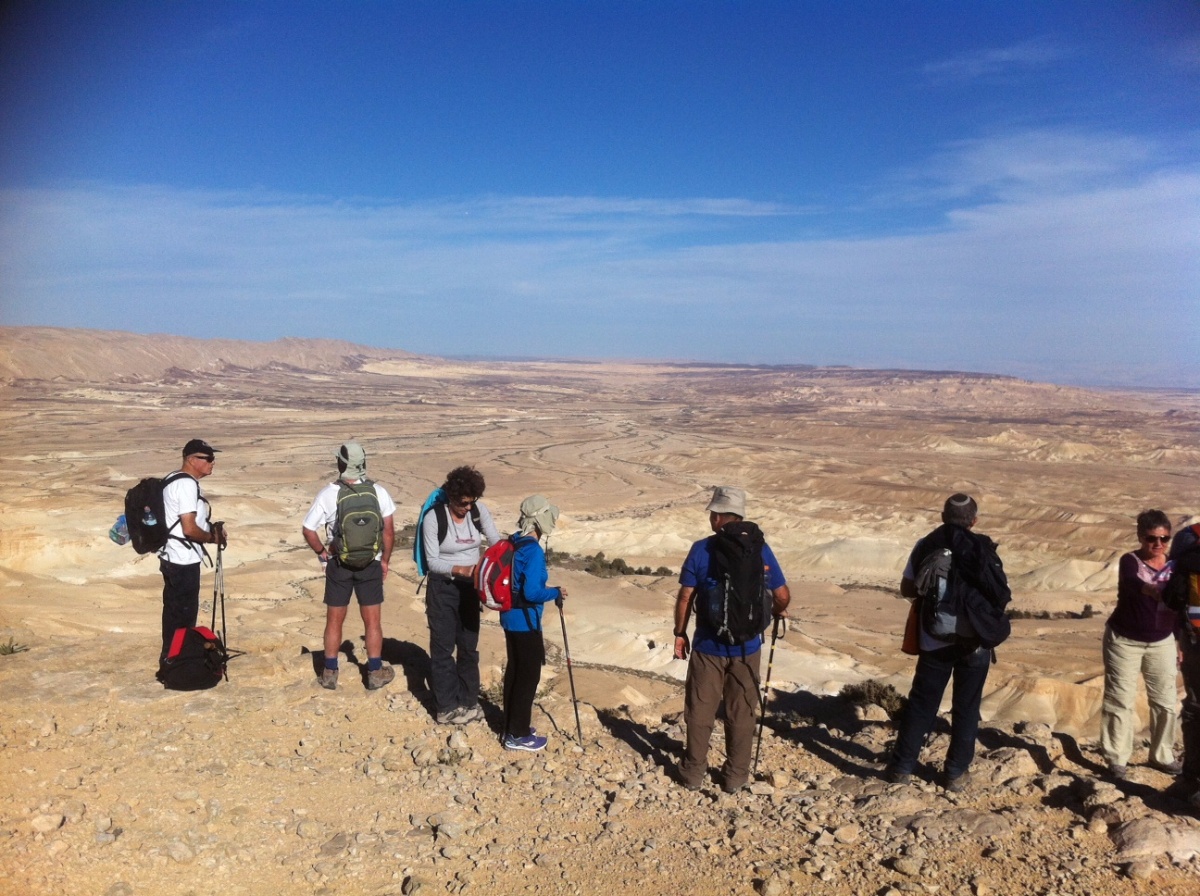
(322, 516)
(182, 495)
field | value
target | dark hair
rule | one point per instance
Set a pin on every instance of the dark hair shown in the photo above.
(960, 510)
(1152, 519)
(463, 482)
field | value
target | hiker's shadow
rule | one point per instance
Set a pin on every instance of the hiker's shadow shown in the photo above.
(656, 746)
(413, 661)
(825, 726)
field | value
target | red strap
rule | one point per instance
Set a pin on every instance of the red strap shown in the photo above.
(176, 643)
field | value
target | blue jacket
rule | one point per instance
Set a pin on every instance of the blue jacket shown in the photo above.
(529, 582)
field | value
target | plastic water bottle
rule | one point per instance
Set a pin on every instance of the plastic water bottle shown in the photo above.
(148, 517)
(119, 532)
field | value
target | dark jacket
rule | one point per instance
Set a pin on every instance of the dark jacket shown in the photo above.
(977, 571)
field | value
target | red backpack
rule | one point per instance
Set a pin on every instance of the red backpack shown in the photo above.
(494, 576)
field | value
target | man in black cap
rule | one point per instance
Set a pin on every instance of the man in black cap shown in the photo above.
(974, 576)
(187, 514)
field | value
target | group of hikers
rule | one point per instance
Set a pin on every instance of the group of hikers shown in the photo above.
(731, 591)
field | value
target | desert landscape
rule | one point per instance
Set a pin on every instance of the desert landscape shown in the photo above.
(269, 784)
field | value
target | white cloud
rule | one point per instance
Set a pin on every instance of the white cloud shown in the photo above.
(995, 61)
(1063, 257)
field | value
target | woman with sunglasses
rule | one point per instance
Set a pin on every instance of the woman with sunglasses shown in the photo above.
(1140, 639)
(452, 534)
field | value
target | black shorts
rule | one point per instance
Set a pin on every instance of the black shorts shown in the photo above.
(367, 584)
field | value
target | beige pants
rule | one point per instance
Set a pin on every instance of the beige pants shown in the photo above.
(1124, 659)
(711, 681)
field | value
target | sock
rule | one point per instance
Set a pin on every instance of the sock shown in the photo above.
(331, 663)
(374, 662)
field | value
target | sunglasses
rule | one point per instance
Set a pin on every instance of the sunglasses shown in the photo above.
(464, 502)
(1161, 539)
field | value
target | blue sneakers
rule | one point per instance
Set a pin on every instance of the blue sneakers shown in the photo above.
(531, 743)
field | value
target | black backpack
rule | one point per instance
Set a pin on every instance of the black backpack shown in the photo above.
(145, 515)
(943, 609)
(966, 603)
(195, 661)
(738, 609)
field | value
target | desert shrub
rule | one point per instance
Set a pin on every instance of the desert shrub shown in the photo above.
(600, 566)
(10, 647)
(864, 693)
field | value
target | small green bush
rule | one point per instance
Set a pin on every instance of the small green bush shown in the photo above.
(874, 691)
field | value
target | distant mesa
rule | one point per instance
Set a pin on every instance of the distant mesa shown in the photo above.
(96, 356)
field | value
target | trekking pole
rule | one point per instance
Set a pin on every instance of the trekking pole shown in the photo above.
(570, 674)
(766, 685)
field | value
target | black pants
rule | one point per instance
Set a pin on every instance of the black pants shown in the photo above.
(935, 668)
(522, 674)
(1189, 719)
(181, 599)
(452, 610)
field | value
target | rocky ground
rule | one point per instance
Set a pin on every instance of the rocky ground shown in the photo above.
(269, 784)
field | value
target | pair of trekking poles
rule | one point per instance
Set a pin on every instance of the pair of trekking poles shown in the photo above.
(219, 596)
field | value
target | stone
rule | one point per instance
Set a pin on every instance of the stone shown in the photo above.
(44, 824)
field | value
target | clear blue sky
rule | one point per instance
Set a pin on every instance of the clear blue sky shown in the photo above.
(1010, 187)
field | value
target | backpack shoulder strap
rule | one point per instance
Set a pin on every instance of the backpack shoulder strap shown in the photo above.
(441, 512)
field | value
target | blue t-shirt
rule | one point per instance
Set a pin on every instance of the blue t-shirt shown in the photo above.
(695, 572)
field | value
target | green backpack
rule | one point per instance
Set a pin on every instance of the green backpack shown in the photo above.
(359, 525)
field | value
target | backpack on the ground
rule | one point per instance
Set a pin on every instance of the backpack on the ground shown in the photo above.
(494, 576)
(145, 515)
(438, 502)
(196, 660)
(359, 535)
(738, 609)
(943, 612)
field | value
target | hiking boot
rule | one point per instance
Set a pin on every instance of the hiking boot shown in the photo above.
(473, 714)
(957, 784)
(730, 787)
(329, 678)
(895, 776)
(1118, 772)
(377, 678)
(449, 717)
(1174, 769)
(531, 743)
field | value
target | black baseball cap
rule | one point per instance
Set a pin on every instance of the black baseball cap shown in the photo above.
(199, 446)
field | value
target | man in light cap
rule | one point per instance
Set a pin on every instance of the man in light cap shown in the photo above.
(186, 513)
(724, 662)
(356, 515)
(976, 576)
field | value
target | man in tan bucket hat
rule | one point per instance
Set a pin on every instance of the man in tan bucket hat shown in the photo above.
(725, 657)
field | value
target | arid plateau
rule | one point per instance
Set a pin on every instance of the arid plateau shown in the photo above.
(269, 784)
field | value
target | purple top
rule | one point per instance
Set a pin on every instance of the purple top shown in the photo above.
(1140, 614)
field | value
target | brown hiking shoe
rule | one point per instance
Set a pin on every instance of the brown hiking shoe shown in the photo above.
(380, 677)
(329, 678)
